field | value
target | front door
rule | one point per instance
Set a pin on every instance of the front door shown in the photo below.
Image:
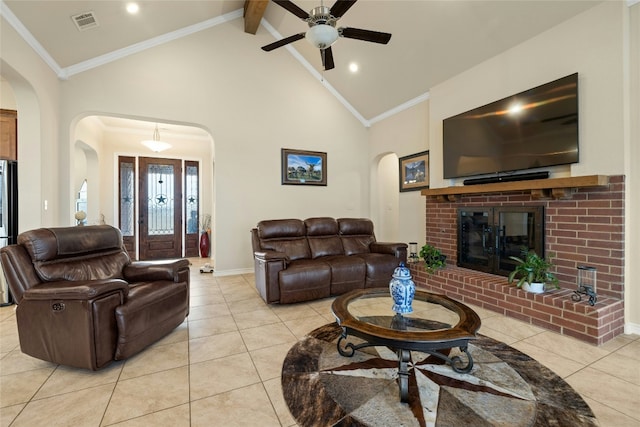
(160, 208)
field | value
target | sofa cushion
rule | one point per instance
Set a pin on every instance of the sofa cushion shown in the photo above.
(325, 246)
(281, 228)
(347, 273)
(356, 235)
(284, 235)
(294, 248)
(321, 226)
(48, 244)
(323, 237)
(354, 245)
(380, 268)
(355, 226)
(304, 280)
(76, 253)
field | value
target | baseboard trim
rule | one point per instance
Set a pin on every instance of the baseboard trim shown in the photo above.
(632, 328)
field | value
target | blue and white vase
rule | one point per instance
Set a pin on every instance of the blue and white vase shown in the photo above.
(402, 290)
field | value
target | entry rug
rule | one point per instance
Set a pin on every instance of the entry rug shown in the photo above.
(504, 388)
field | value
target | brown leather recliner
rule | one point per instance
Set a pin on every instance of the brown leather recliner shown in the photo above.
(82, 302)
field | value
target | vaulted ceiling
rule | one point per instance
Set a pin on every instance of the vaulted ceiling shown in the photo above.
(432, 40)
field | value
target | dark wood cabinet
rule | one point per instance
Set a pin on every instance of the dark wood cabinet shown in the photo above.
(8, 134)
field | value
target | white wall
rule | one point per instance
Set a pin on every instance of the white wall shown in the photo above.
(589, 44)
(251, 114)
(398, 216)
(36, 92)
(7, 98)
(632, 160)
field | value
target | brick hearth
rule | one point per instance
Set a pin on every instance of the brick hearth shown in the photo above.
(553, 310)
(587, 229)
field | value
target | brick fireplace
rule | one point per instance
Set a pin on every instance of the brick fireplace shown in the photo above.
(583, 226)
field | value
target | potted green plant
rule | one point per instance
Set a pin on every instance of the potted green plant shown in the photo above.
(433, 258)
(532, 272)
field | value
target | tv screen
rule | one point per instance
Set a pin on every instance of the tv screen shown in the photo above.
(533, 129)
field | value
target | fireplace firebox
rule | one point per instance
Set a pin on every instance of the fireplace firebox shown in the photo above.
(488, 236)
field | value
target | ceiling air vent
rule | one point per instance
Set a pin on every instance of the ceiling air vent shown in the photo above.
(85, 20)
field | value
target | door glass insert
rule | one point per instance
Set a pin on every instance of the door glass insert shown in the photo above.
(127, 198)
(191, 201)
(160, 190)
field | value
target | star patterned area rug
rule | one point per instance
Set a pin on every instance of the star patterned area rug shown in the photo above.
(504, 388)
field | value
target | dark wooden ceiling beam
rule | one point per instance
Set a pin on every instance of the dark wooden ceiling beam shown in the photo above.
(253, 11)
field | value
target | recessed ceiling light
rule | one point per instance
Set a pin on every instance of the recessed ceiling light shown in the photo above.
(133, 8)
(353, 67)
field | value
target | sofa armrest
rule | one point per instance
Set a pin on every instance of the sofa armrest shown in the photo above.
(148, 271)
(76, 290)
(399, 250)
(272, 256)
(18, 270)
(268, 265)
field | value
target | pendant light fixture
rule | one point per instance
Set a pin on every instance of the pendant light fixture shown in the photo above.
(155, 144)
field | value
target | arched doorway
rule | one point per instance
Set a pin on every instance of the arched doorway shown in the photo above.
(150, 194)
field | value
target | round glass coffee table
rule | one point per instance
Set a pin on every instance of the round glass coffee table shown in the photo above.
(436, 325)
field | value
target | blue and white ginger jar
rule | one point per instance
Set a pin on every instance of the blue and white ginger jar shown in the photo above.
(402, 290)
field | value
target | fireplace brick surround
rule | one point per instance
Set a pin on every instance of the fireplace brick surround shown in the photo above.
(585, 229)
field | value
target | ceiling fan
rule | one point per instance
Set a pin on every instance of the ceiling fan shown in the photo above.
(322, 31)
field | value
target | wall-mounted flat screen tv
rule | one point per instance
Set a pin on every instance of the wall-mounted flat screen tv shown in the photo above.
(534, 129)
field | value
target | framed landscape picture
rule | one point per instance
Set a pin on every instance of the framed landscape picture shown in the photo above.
(300, 167)
(414, 171)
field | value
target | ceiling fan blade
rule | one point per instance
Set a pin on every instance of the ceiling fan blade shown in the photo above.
(292, 8)
(282, 42)
(340, 7)
(366, 35)
(327, 59)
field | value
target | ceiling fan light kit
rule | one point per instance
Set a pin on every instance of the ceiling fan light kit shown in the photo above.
(322, 36)
(322, 31)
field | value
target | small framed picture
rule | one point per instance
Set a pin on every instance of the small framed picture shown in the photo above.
(414, 172)
(300, 167)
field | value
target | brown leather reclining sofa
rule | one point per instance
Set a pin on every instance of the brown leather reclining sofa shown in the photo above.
(81, 301)
(299, 260)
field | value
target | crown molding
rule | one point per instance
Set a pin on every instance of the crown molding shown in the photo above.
(405, 106)
(65, 73)
(147, 44)
(28, 38)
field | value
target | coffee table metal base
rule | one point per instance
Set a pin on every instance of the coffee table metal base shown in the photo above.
(404, 334)
(348, 349)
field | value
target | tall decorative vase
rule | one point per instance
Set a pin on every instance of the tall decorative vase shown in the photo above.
(402, 290)
(204, 244)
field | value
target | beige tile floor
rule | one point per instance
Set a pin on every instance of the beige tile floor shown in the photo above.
(221, 367)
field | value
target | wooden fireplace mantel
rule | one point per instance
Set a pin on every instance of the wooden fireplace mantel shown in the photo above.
(551, 188)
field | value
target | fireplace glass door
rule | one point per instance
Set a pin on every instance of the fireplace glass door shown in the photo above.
(488, 236)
